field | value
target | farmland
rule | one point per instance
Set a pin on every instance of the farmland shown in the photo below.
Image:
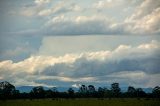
(83, 102)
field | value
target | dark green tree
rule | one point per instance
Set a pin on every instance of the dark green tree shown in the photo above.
(115, 89)
(107, 93)
(101, 92)
(83, 89)
(71, 92)
(156, 92)
(140, 92)
(83, 92)
(7, 90)
(131, 92)
(38, 92)
(91, 91)
(55, 93)
(48, 93)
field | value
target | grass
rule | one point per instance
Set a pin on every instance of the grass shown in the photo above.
(82, 102)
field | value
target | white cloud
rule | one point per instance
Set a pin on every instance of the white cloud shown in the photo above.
(45, 12)
(153, 44)
(40, 2)
(63, 7)
(102, 4)
(76, 85)
(145, 19)
(145, 8)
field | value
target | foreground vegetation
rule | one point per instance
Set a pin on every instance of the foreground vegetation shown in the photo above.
(86, 96)
(83, 102)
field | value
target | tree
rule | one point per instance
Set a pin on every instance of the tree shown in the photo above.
(48, 93)
(16, 94)
(101, 92)
(107, 93)
(91, 89)
(156, 91)
(71, 92)
(55, 92)
(83, 89)
(115, 89)
(38, 92)
(131, 92)
(140, 92)
(7, 90)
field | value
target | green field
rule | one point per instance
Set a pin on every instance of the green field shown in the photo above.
(82, 102)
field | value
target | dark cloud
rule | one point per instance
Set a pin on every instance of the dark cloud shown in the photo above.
(87, 68)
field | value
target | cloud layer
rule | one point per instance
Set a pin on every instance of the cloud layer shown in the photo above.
(126, 64)
(144, 20)
(86, 18)
(29, 57)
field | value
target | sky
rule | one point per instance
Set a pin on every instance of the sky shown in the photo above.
(72, 42)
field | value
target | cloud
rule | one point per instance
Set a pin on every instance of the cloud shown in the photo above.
(145, 8)
(136, 78)
(76, 85)
(60, 8)
(17, 48)
(80, 25)
(145, 19)
(18, 51)
(122, 64)
(47, 8)
(78, 18)
(40, 2)
(92, 62)
(102, 4)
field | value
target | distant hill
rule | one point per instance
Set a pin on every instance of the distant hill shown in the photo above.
(24, 88)
(148, 90)
(29, 88)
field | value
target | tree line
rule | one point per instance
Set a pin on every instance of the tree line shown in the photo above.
(8, 91)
